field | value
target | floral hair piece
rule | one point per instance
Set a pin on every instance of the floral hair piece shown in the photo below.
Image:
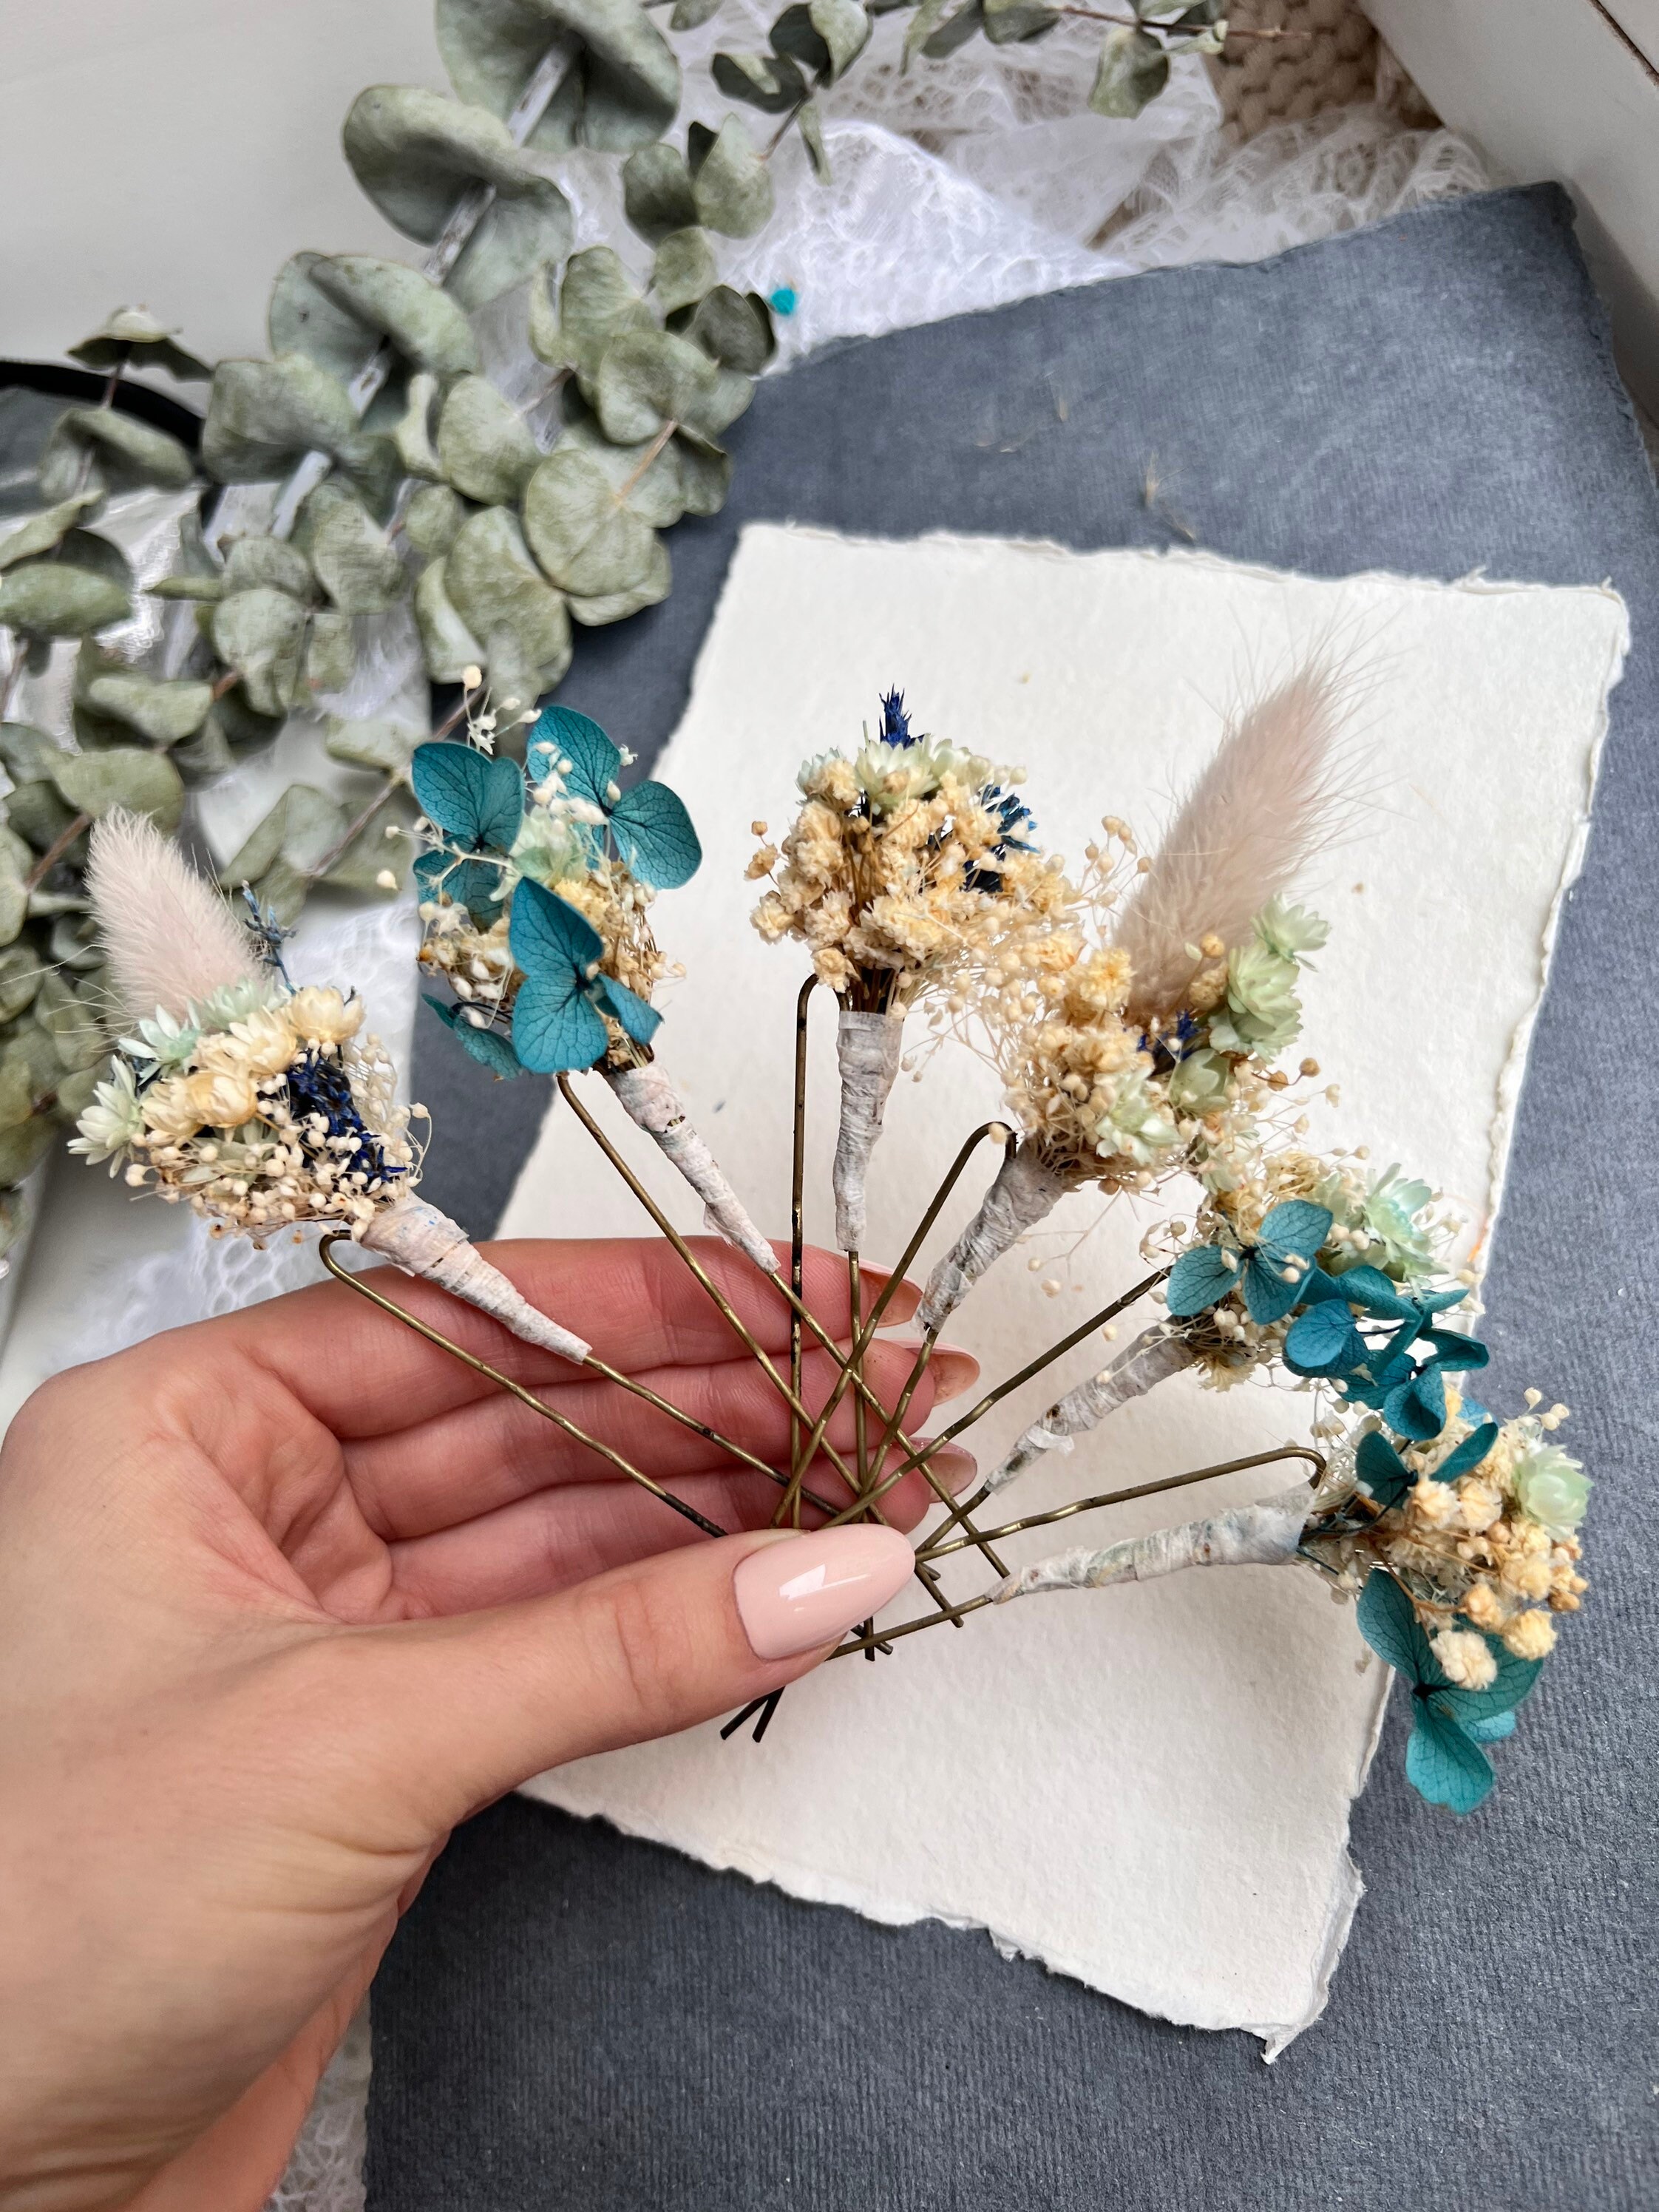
(1140, 1016)
(263, 1107)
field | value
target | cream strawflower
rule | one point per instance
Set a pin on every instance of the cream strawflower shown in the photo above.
(223, 1097)
(171, 1113)
(263, 1045)
(318, 1015)
(115, 1117)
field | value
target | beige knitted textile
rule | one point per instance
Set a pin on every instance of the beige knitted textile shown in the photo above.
(1331, 62)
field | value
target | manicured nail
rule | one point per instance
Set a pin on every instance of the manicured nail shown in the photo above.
(953, 1373)
(795, 1595)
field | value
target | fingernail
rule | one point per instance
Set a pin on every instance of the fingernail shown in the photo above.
(795, 1595)
(956, 1468)
(953, 1373)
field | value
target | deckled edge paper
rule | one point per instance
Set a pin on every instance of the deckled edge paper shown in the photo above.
(809, 624)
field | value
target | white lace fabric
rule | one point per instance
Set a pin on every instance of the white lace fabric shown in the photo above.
(958, 186)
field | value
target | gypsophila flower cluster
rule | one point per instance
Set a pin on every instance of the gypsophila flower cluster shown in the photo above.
(901, 864)
(1490, 1554)
(262, 1110)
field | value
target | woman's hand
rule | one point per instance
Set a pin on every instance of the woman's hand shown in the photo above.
(284, 1596)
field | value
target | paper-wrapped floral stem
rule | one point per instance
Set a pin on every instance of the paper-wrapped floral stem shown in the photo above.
(1266, 1534)
(256, 1104)
(892, 872)
(1023, 1194)
(538, 916)
(1155, 1355)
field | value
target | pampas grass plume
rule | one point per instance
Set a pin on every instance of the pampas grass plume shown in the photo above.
(1275, 795)
(168, 937)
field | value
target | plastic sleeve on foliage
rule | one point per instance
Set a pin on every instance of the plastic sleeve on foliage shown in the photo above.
(1153, 1357)
(1265, 1534)
(867, 1047)
(1025, 1192)
(651, 1102)
(423, 1242)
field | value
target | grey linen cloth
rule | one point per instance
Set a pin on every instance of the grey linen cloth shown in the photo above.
(569, 2018)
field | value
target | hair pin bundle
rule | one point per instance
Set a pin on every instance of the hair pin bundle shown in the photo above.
(1140, 1017)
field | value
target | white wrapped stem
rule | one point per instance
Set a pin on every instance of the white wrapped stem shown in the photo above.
(1154, 1356)
(1265, 1534)
(652, 1104)
(867, 1047)
(1024, 1192)
(423, 1242)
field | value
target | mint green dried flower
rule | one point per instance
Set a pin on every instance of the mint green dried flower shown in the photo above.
(1138, 1126)
(1200, 1083)
(1552, 1487)
(161, 1042)
(1290, 931)
(1262, 1012)
(1393, 1211)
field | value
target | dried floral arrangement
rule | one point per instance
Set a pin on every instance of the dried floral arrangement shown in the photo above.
(374, 476)
(1138, 1016)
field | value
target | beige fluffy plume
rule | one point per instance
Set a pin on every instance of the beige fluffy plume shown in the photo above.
(1275, 794)
(168, 937)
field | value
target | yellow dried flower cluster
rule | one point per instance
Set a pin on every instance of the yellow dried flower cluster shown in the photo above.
(1496, 1549)
(901, 863)
(260, 1111)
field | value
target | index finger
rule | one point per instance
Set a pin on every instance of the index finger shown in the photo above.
(634, 1299)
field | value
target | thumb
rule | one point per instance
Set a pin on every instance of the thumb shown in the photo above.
(460, 1711)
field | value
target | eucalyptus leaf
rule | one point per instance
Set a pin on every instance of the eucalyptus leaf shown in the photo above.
(280, 858)
(580, 528)
(735, 328)
(205, 589)
(164, 711)
(772, 83)
(1133, 69)
(616, 606)
(1009, 21)
(74, 943)
(446, 644)
(826, 36)
(508, 605)
(371, 854)
(131, 335)
(360, 573)
(379, 744)
(36, 811)
(127, 454)
(650, 476)
(20, 971)
(412, 435)
(70, 1022)
(658, 196)
(730, 186)
(682, 271)
(51, 598)
(330, 651)
(620, 89)
(336, 308)
(135, 777)
(705, 473)
(689, 14)
(432, 518)
(238, 724)
(46, 532)
(78, 1088)
(415, 154)
(265, 416)
(24, 1147)
(269, 563)
(26, 753)
(648, 379)
(261, 635)
(810, 124)
(940, 26)
(16, 1085)
(483, 448)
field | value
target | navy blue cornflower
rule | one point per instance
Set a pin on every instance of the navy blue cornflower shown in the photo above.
(1015, 817)
(317, 1084)
(895, 722)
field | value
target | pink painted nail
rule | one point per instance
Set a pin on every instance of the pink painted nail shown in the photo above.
(794, 1596)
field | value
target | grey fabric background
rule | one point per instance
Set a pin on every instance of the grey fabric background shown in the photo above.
(570, 2018)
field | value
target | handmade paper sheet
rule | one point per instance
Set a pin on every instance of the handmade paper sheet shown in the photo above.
(1149, 1787)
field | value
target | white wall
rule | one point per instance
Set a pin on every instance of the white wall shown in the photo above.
(175, 152)
(1551, 88)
